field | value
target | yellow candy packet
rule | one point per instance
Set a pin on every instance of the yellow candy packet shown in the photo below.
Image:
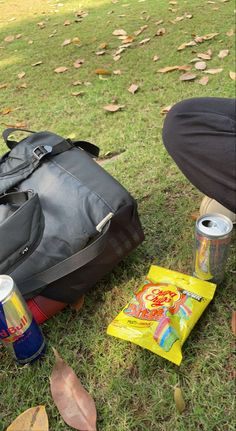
(162, 313)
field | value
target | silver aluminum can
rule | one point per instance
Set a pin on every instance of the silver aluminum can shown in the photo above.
(19, 332)
(212, 239)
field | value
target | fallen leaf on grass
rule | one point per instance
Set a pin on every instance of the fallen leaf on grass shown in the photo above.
(102, 72)
(138, 32)
(61, 69)
(209, 36)
(21, 125)
(213, 71)
(117, 72)
(23, 85)
(21, 75)
(78, 93)
(232, 75)
(200, 65)
(78, 63)
(41, 24)
(179, 400)
(113, 107)
(103, 46)
(77, 83)
(76, 41)
(100, 52)
(223, 53)
(3, 86)
(133, 88)
(166, 109)
(204, 80)
(9, 38)
(205, 55)
(128, 39)
(156, 58)
(119, 32)
(233, 322)
(66, 22)
(160, 21)
(172, 68)
(66, 42)
(74, 403)
(142, 42)
(37, 63)
(188, 77)
(186, 44)
(33, 419)
(230, 32)
(160, 31)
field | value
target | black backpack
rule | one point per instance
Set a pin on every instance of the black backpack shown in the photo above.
(64, 221)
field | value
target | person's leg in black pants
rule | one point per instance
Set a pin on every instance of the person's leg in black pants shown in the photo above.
(200, 135)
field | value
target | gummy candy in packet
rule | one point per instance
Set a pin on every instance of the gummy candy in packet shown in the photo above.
(162, 313)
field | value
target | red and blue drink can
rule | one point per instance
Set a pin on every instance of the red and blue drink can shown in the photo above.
(19, 332)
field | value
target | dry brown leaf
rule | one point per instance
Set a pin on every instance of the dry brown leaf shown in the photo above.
(81, 14)
(76, 41)
(21, 125)
(9, 38)
(166, 109)
(223, 53)
(3, 86)
(204, 80)
(78, 93)
(74, 403)
(77, 83)
(41, 24)
(232, 75)
(24, 85)
(142, 42)
(179, 400)
(33, 419)
(37, 63)
(21, 75)
(78, 304)
(133, 88)
(161, 31)
(61, 69)
(188, 77)
(185, 45)
(204, 56)
(113, 107)
(233, 322)
(103, 46)
(66, 42)
(102, 72)
(30, 42)
(230, 32)
(168, 69)
(213, 71)
(6, 111)
(100, 52)
(156, 58)
(117, 72)
(128, 39)
(119, 32)
(200, 65)
(116, 57)
(138, 32)
(66, 22)
(19, 36)
(78, 63)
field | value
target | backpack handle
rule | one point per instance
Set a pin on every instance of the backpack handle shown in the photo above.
(7, 132)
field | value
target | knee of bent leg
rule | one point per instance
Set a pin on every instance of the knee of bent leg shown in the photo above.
(175, 124)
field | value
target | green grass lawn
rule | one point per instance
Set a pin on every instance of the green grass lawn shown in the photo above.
(132, 387)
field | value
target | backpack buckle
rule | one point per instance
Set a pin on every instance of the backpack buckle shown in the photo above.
(41, 150)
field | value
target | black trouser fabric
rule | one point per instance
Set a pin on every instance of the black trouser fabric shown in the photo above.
(200, 135)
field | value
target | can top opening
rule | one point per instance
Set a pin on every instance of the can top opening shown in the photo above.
(215, 225)
(6, 285)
